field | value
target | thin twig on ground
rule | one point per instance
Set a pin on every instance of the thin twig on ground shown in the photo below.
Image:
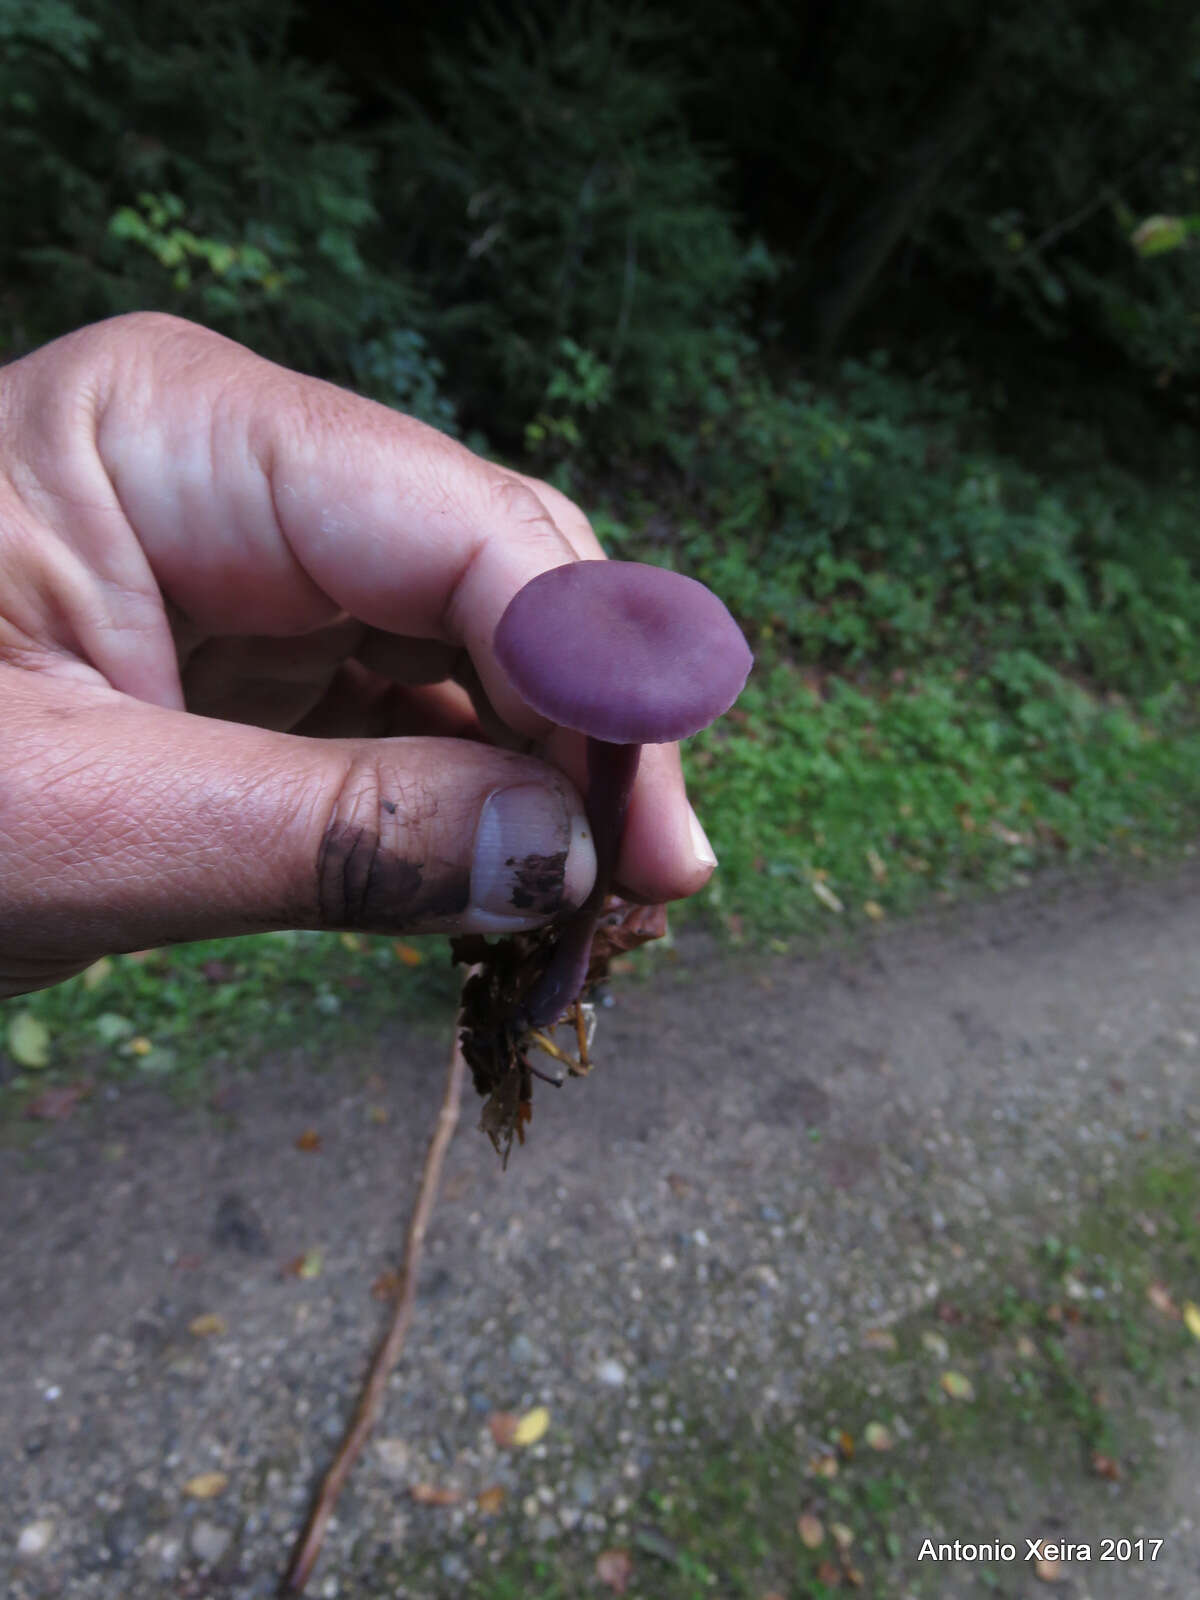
(370, 1401)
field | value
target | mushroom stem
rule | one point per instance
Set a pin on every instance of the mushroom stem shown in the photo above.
(611, 771)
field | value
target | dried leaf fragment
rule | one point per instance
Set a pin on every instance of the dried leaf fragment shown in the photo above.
(614, 1569)
(29, 1041)
(490, 1500)
(503, 1428)
(1159, 1297)
(1105, 1467)
(206, 1485)
(811, 1530)
(879, 1339)
(1191, 1318)
(206, 1326)
(432, 1494)
(309, 1140)
(958, 1386)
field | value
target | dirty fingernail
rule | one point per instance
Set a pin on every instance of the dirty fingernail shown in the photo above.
(533, 858)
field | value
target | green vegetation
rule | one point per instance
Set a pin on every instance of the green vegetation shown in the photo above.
(1044, 1381)
(968, 565)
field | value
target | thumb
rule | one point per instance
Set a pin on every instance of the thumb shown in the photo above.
(125, 825)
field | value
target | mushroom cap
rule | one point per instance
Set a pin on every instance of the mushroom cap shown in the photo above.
(621, 651)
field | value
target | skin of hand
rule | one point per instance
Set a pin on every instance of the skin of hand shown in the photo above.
(246, 677)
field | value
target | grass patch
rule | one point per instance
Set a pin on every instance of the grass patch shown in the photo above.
(990, 1416)
(172, 1014)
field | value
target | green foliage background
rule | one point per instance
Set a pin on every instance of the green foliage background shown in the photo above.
(884, 320)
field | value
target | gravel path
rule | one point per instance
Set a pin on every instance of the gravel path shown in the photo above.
(770, 1158)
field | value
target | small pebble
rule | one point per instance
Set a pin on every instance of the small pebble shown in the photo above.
(34, 1538)
(521, 1350)
(611, 1372)
(209, 1541)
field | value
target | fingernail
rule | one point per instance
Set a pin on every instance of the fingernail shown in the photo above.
(704, 852)
(533, 858)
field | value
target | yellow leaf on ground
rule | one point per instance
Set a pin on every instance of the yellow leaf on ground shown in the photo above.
(353, 942)
(874, 910)
(206, 1485)
(843, 1536)
(207, 1325)
(1191, 1318)
(29, 1040)
(407, 953)
(532, 1426)
(810, 1529)
(878, 1436)
(958, 1386)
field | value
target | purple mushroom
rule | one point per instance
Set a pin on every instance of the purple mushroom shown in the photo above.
(629, 655)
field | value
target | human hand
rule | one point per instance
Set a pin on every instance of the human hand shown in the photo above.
(246, 670)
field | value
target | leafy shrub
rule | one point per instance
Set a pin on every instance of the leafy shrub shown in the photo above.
(570, 230)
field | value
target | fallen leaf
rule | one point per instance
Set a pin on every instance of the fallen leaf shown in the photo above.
(52, 1105)
(878, 1436)
(29, 1041)
(1105, 1467)
(823, 1466)
(853, 1576)
(843, 1536)
(845, 1443)
(354, 942)
(874, 910)
(811, 1530)
(503, 1426)
(1159, 1297)
(207, 1325)
(407, 953)
(386, 1285)
(206, 1485)
(614, 1569)
(139, 1045)
(1048, 1571)
(306, 1266)
(935, 1344)
(309, 1140)
(490, 1500)
(826, 895)
(1026, 1348)
(532, 1426)
(879, 1339)
(1191, 1318)
(878, 870)
(678, 1184)
(958, 1386)
(432, 1494)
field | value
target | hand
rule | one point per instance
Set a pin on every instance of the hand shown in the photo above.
(246, 666)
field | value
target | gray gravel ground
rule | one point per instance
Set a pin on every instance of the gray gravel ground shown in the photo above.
(673, 1228)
